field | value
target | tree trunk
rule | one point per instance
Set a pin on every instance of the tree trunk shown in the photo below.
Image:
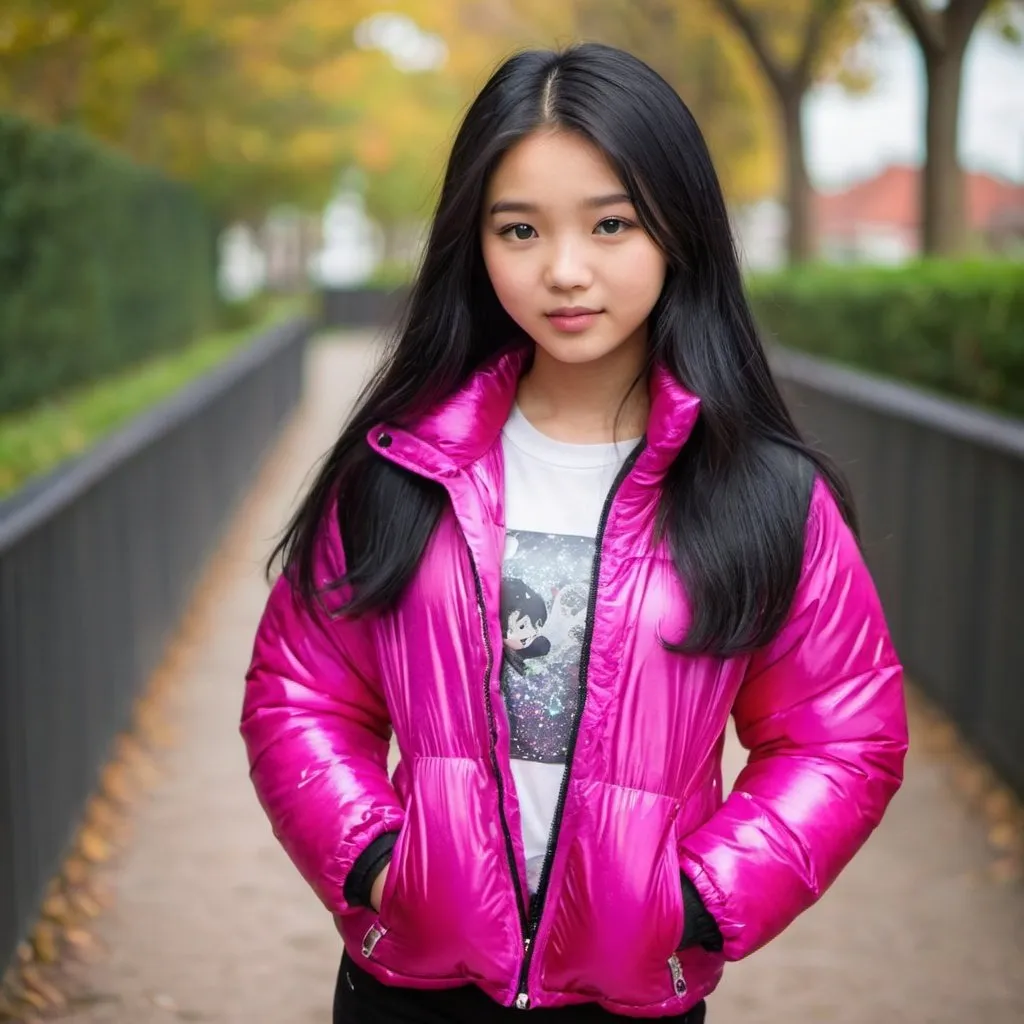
(944, 229)
(800, 242)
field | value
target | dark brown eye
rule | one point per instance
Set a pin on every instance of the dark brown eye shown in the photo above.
(519, 231)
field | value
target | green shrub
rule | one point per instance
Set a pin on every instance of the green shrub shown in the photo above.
(259, 309)
(102, 262)
(953, 327)
(242, 313)
(390, 276)
(39, 439)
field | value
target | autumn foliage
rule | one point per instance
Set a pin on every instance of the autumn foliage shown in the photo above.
(259, 102)
(262, 101)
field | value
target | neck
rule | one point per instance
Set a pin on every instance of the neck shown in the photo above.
(589, 403)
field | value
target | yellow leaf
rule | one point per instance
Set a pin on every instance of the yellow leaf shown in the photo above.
(58, 909)
(93, 847)
(44, 942)
(33, 981)
(86, 905)
(1006, 836)
(75, 871)
(33, 998)
(1000, 805)
(101, 814)
(80, 939)
(114, 783)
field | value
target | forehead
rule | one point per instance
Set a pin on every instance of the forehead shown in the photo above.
(553, 167)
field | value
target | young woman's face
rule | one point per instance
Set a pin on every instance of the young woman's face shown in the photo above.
(560, 234)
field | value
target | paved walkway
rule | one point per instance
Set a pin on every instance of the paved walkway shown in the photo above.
(211, 923)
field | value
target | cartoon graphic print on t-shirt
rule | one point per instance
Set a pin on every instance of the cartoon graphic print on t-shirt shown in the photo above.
(545, 590)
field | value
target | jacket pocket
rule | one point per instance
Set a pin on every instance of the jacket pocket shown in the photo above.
(448, 907)
(379, 929)
(618, 919)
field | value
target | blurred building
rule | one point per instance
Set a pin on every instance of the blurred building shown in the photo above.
(288, 238)
(352, 244)
(242, 271)
(878, 221)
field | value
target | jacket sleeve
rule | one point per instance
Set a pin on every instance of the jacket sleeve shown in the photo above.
(317, 730)
(822, 713)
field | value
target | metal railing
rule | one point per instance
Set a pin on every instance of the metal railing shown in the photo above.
(361, 307)
(97, 563)
(940, 493)
(939, 486)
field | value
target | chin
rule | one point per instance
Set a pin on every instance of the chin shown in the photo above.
(577, 350)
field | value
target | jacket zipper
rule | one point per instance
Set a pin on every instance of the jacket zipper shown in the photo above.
(376, 932)
(530, 922)
(537, 905)
(496, 768)
(676, 970)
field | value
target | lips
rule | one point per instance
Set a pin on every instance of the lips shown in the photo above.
(573, 319)
(571, 311)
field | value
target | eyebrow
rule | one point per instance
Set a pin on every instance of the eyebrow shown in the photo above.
(516, 206)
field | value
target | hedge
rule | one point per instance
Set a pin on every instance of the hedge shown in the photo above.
(952, 327)
(102, 262)
(37, 440)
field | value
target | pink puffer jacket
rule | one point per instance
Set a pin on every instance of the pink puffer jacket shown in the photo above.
(821, 710)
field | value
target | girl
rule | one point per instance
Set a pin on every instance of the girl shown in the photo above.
(576, 404)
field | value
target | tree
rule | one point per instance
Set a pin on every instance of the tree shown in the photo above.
(942, 35)
(685, 43)
(258, 102)
(214, 92)
(792, 42)
(399, 124)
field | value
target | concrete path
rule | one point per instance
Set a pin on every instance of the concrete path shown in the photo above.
(211, 923)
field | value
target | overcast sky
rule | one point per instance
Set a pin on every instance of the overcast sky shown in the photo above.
(852, 137)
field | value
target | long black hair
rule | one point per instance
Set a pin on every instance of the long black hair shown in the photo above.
(734, 502)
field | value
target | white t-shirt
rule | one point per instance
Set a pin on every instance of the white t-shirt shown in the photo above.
(554, 495)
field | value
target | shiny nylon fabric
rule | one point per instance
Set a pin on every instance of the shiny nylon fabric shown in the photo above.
(821, 710)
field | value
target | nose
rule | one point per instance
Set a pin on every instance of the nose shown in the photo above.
(567, 268)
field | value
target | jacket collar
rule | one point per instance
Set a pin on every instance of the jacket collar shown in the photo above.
(464, 427)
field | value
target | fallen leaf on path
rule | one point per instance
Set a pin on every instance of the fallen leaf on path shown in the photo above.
(58, 909)
(33, 981)
(44, 942)
(1000, 804)
(76, 871)
(34, 999)
(80, 939)
(102, 814)
(85, 904)
(1006, 837)
(114, 783)
(93, 847)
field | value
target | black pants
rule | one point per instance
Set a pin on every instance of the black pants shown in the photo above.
(361, 999)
